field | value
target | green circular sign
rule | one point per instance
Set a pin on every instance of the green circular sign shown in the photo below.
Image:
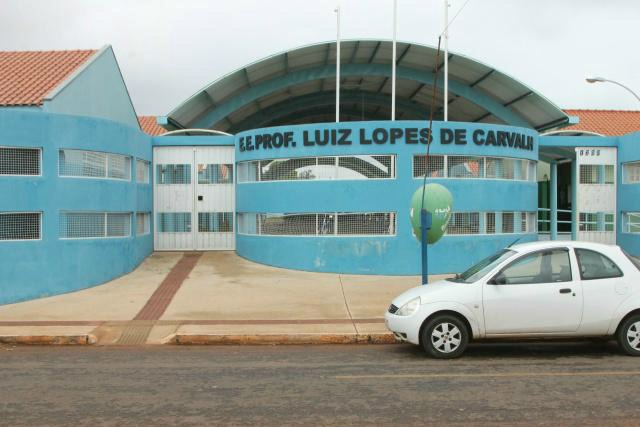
(439, 202)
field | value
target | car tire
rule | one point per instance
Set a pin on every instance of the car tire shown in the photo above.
(629, 335)
(445, 337)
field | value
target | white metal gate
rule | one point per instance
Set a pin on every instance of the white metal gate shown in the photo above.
(596, 193)
(194, 198)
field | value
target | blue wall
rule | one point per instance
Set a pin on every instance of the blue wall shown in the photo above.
(31, 269)
(394, 255)
(628, 194)
(98, 90)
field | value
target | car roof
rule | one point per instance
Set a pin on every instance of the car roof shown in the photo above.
(532, 246)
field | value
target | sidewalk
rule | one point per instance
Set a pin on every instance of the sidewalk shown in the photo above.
(210, 298)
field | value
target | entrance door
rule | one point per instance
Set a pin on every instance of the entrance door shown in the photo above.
(596, 194)
(194, 198)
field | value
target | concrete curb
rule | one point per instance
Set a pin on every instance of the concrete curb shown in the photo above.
(279, 339)
(86, 339)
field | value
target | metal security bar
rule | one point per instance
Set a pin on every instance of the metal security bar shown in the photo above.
(174, 222)
(173, 174)
(631, 173)
(435, 168)
(143, 223)
(215, 222)
(475, 167)
(20, 161)
(20, 225)
(508, 222)
(631, 222)
(464, 223)
(93, 164)
(215, 173)
(597, 174)
(465, 167)
(484, 223)
(318, 168)
(142, 171)
(318, 224)
(86, 225)
(596, 221)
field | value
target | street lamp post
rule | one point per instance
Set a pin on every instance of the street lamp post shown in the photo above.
(603, 80)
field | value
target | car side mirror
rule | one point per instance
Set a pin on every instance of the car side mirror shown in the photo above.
(498, 279)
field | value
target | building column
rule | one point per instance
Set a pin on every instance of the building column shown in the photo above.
(574, 200)
(554, 201)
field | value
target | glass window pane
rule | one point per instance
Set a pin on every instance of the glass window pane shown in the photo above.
(540, 267)
(594, 265)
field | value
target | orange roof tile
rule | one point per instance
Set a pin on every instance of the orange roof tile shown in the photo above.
(606, 122)
(150, 126)
(27, 77)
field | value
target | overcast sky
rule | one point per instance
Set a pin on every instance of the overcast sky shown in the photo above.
(168, 49)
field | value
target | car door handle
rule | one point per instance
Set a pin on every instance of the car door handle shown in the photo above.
(565, 291)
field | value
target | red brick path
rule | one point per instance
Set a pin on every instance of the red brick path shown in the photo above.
(161, 298)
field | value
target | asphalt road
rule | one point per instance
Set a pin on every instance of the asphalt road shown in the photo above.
(494, 384)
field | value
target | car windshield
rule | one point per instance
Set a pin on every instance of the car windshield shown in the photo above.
(479, 270)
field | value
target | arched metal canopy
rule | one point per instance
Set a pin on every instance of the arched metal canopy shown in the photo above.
(298, 86)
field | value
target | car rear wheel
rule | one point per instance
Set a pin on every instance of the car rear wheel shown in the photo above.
(445, 337)
(629, 335)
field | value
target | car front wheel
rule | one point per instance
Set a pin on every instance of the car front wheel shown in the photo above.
(629, 335)
(445, 337)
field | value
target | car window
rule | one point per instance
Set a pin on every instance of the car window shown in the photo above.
(481, 269)
(548, 266)
(594, 265)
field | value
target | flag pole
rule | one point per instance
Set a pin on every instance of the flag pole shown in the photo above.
(446, 60)
(393, 65)
(337, 10)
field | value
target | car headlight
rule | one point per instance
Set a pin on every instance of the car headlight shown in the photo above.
(409, 308)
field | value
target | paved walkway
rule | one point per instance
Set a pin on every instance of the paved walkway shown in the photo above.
(174, 295)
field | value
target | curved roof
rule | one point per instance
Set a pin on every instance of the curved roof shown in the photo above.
(298, 86)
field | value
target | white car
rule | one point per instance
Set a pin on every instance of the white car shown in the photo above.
(540, 289)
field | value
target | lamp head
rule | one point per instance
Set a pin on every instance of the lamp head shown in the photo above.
(595, 79)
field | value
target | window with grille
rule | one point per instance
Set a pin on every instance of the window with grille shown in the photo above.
(173, 174)
(143, 223)
(631, 173)
(142, 171)
(93, 164)
(434, 168)
(467, 223)
(20, 161)
(318, 224)
(508, 222)
(87, 225)
(319, 168)
(215, 173)
(631, 222)
(490, 223)
(465, 167)
(464, 223)
(597, 174)
(173, 222)
(215, 222)
(20, 225)
(441, 166)
(596, 221)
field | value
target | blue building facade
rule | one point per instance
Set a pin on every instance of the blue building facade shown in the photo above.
(78, 175)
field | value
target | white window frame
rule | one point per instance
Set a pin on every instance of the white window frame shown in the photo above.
(393, 169)
(531, 177)
(106, 166)
(40, 166)
(106, 225)
(25, 212)
(147, 163)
